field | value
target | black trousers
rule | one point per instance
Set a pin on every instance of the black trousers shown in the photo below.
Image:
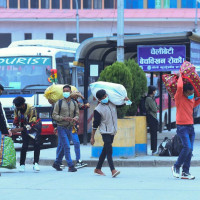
(106, 151)
(25, 140)
(153, 126)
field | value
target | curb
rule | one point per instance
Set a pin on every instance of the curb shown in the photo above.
(119, 163)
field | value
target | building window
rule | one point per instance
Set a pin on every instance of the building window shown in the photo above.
(23, 4)
(45, 4)
(133, 4)
(13, 3)
(151, 4)
(71, 37)
(87, 4)
(34, 3)
(65, 4)
(55, 4)
(49, 36)
(79, 4)
(97, 4)
(3, 4)
(108, 4)
(188, 3)
(5, 39)
(173, 3)
(27, 36)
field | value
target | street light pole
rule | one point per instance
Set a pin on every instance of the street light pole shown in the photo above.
(120, 30)
(77, 22)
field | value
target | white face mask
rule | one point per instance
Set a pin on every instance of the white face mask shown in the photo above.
(66, 94)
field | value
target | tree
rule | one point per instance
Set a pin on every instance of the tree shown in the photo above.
(139, 85)
(118, 73)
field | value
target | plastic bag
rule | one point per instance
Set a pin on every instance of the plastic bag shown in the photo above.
(55, 92)
(7, 153)
(116, 92)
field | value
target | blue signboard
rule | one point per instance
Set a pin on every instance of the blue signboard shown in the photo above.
(22, 60)
(195, 54)
(161, 58)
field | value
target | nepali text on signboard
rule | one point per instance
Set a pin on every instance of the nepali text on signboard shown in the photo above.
(161, 58)
(25, 60)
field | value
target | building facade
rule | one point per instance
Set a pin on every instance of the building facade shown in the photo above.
(56, 19)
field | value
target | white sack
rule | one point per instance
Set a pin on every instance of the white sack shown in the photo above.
(116, 92)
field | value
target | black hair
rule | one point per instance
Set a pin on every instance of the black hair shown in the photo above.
(151, 89)
(1, 87)
(67, 86)
(19, 101)
(187, 86)
(100, 94)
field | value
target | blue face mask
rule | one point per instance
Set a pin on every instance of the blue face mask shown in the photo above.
(66, 94)
(105, 100)
(191, 96)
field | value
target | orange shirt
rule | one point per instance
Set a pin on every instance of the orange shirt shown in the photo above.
(184, 106)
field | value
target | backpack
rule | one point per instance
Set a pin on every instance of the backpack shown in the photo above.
(142, 108)
(165, 148)
(176, 145)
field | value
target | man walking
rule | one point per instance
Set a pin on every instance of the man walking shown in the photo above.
(66, 113)
(105, 117)
(185, 103)
(25, 116)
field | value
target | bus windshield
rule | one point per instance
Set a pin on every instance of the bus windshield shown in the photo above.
(23, 72)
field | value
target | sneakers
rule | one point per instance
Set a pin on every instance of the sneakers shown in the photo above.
(99, 172)
(155, 153)
(57, 167)
(72, 169)
(36, 167)
(115, 173)
(175, 172)
(22, 168)
(187, 176)
(80, 164)
(62, 166)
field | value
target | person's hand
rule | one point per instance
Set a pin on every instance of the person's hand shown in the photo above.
(126, 99)
(9, 133)
(28, 127)
(87, 105)
(92, 140)
(75, 120)
(68, 119)
(55, 131)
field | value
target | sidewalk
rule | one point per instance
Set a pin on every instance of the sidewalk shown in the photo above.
(47, 156)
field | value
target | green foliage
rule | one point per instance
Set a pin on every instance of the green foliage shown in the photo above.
(139, 85)
(118, 73)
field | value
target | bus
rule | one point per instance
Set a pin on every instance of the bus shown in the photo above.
(23, 72)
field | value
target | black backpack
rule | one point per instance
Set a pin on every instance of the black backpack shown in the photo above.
(165, 148)
(176, 145)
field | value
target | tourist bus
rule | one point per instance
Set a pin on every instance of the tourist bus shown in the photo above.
(23, 72)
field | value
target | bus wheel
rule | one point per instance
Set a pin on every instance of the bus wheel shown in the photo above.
(54, 141)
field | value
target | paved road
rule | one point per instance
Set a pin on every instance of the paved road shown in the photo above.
(133, 183)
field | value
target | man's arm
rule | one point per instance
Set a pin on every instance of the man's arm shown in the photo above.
(179, 91)
(197, 102)
(96, 123)
(76, 117)
(55, 114)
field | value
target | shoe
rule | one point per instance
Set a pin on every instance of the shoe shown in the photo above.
(187, 176)
(36, 167)
(80, 164)
(175, 172)
(115, 173)
(72, 169)
(155, 153)
(99, 172)
(62, 166)
(57, 167)
(22, 168)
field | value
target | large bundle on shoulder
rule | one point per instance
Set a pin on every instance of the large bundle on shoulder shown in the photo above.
(116, 92)
(7, 152)
(55, 92)
(188, 73)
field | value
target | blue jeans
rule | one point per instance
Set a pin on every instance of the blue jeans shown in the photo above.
(63, 148)
(60, 149)
(187, 136)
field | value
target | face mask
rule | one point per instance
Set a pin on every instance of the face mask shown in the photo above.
(66, 94)
(191, 96)
(105, 100)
